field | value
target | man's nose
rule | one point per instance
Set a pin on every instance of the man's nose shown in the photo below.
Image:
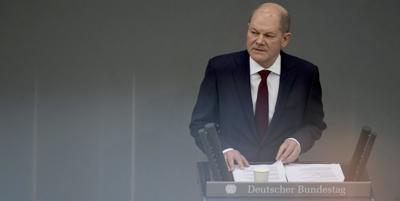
(260, 39)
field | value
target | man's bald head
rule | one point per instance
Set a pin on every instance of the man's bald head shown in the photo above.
(274, 9)
(267, 33)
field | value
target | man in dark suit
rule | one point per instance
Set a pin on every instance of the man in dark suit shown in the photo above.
(268, 104)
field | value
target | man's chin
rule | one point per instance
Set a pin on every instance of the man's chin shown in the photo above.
(259, 56)
(262, 54)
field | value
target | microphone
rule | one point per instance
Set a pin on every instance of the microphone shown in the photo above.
(212, 147)
(215, 143)
(208, 150)
(361, 154)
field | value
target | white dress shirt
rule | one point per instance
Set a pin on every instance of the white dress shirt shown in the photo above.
(272, 83)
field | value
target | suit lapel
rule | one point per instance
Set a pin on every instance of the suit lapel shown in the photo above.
(242, 81)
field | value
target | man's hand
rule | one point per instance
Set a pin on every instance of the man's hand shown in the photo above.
(233, 156)
(289, 151)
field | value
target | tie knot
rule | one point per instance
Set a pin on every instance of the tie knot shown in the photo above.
(264, 74)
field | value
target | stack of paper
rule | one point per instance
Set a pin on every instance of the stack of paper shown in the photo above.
(276, 173)
(293, 173)
(314, 173)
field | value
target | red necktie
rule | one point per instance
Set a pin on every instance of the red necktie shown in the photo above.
(262, 104)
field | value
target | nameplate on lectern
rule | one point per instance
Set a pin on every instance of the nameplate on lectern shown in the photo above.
(307, 189)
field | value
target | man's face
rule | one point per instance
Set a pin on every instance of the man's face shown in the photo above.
(265, 39)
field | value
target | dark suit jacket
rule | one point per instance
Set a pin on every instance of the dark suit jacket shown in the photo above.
(225, 98)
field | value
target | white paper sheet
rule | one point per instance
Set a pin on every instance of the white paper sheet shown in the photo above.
(314, 173)
(276, 174)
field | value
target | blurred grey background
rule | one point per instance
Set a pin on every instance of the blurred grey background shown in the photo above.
(96, 96)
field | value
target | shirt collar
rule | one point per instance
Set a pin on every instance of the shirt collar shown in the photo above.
(274, 68)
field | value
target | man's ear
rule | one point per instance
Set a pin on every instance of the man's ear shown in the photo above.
(285, 39)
